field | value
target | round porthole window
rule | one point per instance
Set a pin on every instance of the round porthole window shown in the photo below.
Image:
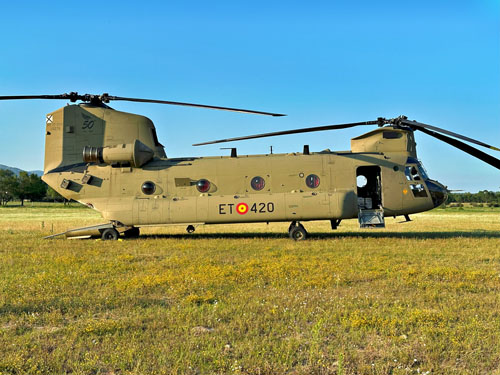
(203, 185)
(361, 181)
(148, 187)
(258, 183)
(312, 181)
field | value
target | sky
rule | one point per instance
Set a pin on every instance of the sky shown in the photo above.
(320, 62)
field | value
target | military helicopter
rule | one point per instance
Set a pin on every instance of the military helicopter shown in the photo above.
(112, 161)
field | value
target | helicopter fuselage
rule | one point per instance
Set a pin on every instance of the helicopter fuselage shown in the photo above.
(125, 175)
(319, 186)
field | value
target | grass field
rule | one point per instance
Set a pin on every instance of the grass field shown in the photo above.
(415, 298)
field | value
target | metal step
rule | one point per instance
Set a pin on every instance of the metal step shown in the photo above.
(371, 218)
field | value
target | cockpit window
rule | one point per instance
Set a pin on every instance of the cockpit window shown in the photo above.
(420, 167)
(418, 190)
(411, 173)
(422, 170)
(415, 172)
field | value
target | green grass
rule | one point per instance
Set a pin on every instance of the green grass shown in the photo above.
(414, 298)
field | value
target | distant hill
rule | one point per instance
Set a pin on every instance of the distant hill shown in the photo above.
(17, 170)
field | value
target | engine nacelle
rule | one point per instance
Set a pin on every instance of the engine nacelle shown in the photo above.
(137, 154)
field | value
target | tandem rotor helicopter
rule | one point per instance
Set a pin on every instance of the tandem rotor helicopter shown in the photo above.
(113, 162)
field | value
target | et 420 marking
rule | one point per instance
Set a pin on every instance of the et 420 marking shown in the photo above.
(243, 208)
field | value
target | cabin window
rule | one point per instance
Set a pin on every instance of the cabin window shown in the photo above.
(258, 183)
(361, 181)
(148, 187)
(312, 181)
(203, 185)
(418, 190)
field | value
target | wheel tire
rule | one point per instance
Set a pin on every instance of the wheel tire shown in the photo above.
(301, 226)
(298, 233)
(132, 232)
(110, 234)
(190, 229)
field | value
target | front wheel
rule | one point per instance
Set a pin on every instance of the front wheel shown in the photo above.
(110, 234)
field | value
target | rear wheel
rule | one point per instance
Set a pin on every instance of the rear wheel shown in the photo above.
(297, 233)
(110, 234)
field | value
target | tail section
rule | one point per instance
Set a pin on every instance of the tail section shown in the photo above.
(71, 128)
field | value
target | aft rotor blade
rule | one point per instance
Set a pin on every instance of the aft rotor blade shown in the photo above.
(71, 96)
(196, 105)
(421, 126)
(105, 98)
(61, 96)
(464, 147)
(294, 131)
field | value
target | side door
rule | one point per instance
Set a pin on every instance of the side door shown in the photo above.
(393, 189)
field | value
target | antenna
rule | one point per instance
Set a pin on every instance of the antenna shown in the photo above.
(234, 154)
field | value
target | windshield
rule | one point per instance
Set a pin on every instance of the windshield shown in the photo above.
(422, 170)
(412, 171)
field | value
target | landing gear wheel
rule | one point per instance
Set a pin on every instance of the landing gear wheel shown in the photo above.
(190, 229)
(110, 234)
(298, 233)
(301, 226)
(132, 232)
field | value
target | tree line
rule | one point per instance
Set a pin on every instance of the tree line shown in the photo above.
(24, 187)
(490, 198)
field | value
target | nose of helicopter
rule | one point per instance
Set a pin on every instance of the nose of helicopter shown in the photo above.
(439, 193)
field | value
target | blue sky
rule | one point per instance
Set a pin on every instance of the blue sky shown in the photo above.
(320, 62)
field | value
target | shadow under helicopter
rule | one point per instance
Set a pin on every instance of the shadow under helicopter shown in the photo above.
(324, 235)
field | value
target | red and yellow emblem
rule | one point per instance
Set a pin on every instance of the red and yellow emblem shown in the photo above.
(242, 208)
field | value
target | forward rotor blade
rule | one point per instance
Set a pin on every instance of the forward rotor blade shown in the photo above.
(294, 131)
(195, 105)
(464, 147)
(421, 126)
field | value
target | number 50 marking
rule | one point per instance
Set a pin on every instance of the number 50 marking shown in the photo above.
(88, 124)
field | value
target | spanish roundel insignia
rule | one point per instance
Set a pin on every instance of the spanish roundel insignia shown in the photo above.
(242, 208)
